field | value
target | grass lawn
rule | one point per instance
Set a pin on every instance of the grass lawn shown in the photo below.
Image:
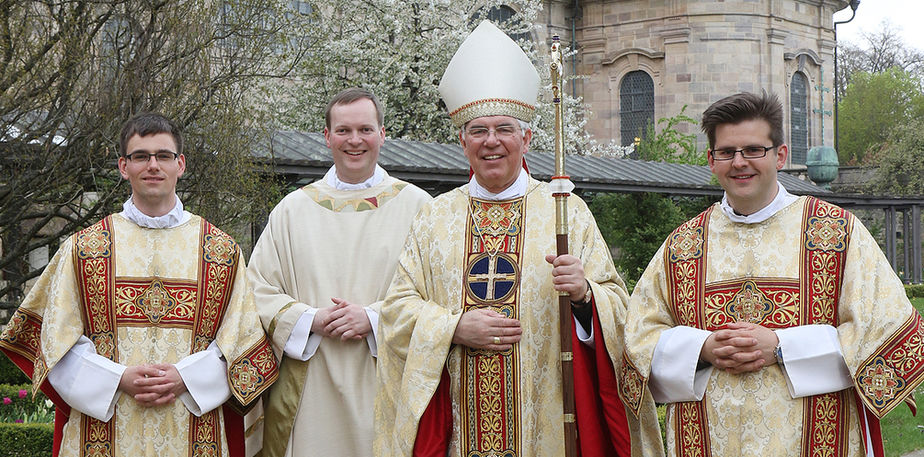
(900, 430)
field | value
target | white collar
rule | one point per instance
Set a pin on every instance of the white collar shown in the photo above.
(332, 180)
(515, 190)
(782, 200)
(174, 218)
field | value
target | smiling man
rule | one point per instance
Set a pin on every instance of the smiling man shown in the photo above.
(771, 324)
(320, 270)
(144, 308)
(470, 328)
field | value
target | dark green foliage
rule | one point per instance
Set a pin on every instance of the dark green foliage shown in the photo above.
(871, 106)
(914, 290)
(671, 144)
(635, 225)
(26, 440)
(901, 161)
(10, 373)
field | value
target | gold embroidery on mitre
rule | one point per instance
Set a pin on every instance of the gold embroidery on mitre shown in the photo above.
(492, 107)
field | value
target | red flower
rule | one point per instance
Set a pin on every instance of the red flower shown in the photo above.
(6, 400)
(23, 393)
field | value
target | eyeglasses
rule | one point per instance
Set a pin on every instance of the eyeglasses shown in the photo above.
(144, 157)
(501, 131)
(749, 152)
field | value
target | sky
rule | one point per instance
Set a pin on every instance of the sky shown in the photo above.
(906, 16)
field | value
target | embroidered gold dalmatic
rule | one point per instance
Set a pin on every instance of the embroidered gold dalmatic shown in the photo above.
(464, 253)
(146, 296)
(811, 263)
(319, 243)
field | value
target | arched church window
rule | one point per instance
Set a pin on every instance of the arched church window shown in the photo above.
(499, 15)
(798, 118)
(636, 106)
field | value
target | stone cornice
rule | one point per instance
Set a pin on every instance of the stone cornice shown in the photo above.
(649, 53)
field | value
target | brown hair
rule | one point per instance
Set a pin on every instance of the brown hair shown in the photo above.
(744, 107)
(347, 96)
(145, 124)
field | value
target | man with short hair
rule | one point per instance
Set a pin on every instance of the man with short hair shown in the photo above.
(771, 324)
(151, 303)
(470, 359)
(320, 270)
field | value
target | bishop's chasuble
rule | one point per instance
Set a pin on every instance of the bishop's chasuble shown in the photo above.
(319, 243)
(145, 296)
(810, 263)
(464, 253)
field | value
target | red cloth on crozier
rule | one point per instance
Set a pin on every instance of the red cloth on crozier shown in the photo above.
(603, 429)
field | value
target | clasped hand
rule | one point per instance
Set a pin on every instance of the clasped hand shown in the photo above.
(740, 347)
(344, 320)
(153, 384)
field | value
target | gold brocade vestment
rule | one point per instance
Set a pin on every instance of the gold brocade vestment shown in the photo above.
(146, 296)
(811, 263)
(464, 253)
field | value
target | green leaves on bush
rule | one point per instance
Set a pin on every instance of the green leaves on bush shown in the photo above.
(26, 440)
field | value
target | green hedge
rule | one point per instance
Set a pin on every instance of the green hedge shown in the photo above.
(26, 440)
(10, 373)
(914, 290)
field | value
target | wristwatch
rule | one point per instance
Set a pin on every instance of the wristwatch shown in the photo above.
(588, 297)
(778, 354)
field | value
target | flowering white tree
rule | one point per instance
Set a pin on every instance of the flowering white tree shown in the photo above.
(399, 50)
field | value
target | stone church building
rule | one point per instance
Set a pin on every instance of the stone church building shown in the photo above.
(645, 59)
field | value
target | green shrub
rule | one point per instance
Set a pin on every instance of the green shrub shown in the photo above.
(10, 373)
(18, 405)
(914, 290)
(26, 440)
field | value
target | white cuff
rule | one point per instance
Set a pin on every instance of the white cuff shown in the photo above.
(813, 363)
(674, 377)
(87, 381)
(302, 344)
(583, 336)
(205, 374)
(371, 337)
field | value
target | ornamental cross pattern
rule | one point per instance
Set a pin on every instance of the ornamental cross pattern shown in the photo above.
(156, 302)
(492, 278)
(750, 304)
(879, 381)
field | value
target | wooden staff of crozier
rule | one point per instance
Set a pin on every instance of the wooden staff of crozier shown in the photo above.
(561, 189)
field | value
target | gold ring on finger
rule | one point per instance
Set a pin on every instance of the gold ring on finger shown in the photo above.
(496, 340)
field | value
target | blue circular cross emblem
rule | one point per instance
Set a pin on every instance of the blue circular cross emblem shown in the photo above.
(492, 278)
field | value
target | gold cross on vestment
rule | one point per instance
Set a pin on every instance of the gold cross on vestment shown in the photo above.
(490, 277)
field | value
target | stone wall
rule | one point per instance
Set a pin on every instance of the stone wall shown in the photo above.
(698, 51)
